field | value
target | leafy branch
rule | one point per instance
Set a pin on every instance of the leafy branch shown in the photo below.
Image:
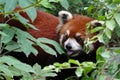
(15, 11)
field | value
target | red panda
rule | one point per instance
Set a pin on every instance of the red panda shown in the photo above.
(72, 32)
(46, 25)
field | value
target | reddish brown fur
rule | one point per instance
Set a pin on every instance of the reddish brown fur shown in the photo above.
(46, 25)
(77, 24)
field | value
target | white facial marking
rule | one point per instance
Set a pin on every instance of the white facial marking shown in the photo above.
(69, 15)
(74, 44)
(61, 38)
(77, 34)
(67, 32)
(96, 21)
(61, 20)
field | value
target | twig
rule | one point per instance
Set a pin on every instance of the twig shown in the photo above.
(10, 51)
(15, 11)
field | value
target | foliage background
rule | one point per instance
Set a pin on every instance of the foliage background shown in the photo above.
(108, 55)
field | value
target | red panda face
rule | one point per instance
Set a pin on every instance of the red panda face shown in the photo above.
(72, 31)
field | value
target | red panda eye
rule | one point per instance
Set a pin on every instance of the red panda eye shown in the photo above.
(78, 38)
(66, 37)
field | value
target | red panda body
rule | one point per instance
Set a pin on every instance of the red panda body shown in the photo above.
(46, 25)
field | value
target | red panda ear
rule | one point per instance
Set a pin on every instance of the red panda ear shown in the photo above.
(95, 23)
(64, 16)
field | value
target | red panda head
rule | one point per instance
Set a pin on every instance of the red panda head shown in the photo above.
(72, 31)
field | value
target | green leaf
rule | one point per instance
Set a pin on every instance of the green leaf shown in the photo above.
(8, 60)
(47, 49)
(32, 26)
(101, 77)
(2, 25)
(31, 12)
(76, 62)
(96, 29)
(88, 66)
(13, 46)
(23, 67)
(98, 52)
(10, 5)
(108, 33)
(10, 34)
(2, 33)
(11, 61)
(117, 18)
(15, 71)
(65, 4)
(105, 54)
(37, 69)
(24, 3)
(5, 70)
(25, 41)
(100, 38)
(2, 1)
(21, 18)
(54, 43)
(55, 1)
(110, 24)
(46, 4)
(79, 71)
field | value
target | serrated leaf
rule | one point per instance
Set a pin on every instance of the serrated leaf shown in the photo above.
(110, 24)
(31, 12)
(50, 74)
(15, 71)
(23, 67)
(24, 3)
(10, 34)
(54, 43)
(10, 5)
(11, 61)
(37, 68)
(65, 4)
(117, 18)
(79, 71)
(13, 46)
(21, 18)
(47, 49)
(5, 70)
(25, 42)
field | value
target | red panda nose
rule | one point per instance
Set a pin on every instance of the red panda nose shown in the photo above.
(68, 46)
